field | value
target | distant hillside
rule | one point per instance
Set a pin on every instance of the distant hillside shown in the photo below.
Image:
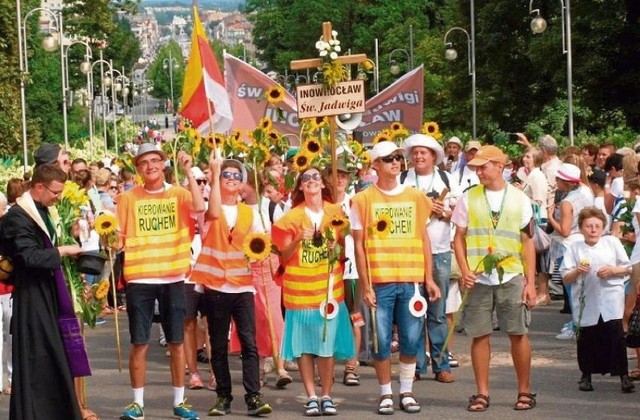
(203, 4)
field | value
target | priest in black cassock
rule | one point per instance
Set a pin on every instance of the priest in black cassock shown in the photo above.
(42, 386)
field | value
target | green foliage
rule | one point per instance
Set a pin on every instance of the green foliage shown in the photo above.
(158, 72)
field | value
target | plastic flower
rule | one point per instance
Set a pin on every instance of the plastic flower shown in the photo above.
(301, 161)
(382, 226)
(102, 289)
(105, 224)
(265, 123)
(312, 146)
(257, 246)
(384, 135)
(275, 94)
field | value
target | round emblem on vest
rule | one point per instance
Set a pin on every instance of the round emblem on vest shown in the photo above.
(331, 307)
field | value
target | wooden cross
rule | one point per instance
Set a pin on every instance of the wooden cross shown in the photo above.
(309, 63)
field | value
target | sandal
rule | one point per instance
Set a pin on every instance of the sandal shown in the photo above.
(312, 408)
(350, 378)
(385, 406)
(526, 401)
(409, 406)
(87, 414)
(328, 407)
(478, 403)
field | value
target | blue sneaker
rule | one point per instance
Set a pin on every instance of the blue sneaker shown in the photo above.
(132, 412)
(183, 411)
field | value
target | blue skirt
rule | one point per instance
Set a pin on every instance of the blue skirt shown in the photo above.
(303, 331)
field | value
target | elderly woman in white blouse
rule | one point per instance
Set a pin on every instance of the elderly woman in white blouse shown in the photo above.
(597, 267)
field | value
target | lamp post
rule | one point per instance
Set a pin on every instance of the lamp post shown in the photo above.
(170, 63)
(104, 82)
(539, 25)
(394, 67)
(451, 54)
(113, 82)
(49, 43)
(84, 66)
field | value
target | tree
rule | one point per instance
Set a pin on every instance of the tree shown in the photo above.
(158, 72)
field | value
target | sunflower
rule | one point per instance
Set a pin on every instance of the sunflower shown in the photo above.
(275, 94)
(105, 224)
(365, 158)
(399, 134)
(273, 135)
(396, 126)
(430, 128)
(259, 153)
(265, 123)
(384, 135)
(319, 122)
(101, 290)
(356, 147)
(257, 246)
(210, 142)
(382, 226)
(235, 135)
(240, 148)
(312, 146)
(191, 132)
(219, 138)
(301, 161)
(339, 221)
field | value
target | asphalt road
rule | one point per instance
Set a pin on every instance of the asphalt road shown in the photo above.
(554, 377)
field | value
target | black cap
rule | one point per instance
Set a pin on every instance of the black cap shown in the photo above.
(47, 153)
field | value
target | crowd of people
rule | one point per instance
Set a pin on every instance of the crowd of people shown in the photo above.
(375, 261)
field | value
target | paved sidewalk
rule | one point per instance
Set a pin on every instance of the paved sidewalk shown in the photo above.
(554, 378)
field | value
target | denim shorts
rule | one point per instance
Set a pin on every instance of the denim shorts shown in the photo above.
(393, 308)
(140, 305)
(193, 301)
(513, 315)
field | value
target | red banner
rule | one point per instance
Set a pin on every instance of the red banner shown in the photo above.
(402, 101)
(246, 85)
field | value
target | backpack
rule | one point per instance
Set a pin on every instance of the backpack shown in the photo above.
(443, 176)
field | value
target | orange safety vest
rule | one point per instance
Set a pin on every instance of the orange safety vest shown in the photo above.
(306, 275)
(398, 258)
(222, 258)
(157, 230)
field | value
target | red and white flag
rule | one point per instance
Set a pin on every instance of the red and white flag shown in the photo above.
(246, 85)
(205, 100)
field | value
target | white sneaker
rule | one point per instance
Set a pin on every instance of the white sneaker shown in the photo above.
(567, 334)
(267, 365)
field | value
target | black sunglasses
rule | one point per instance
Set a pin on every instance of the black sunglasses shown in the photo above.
(202, 181)
(235, 175)
(389, 159)
(308, 177)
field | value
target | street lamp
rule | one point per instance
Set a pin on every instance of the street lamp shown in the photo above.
(104, 82)
(49, 43)
(394, 67)
(539, 25)
(170, 63)
(113, 82)
(84, 66)
(451, 54)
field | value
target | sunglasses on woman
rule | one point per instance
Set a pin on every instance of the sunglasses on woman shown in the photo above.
(389, 159)
(229, 175)
(308, 177)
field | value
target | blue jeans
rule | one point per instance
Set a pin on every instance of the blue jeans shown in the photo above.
(436, 318)
(393, 307)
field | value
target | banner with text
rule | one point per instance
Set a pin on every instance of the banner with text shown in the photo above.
(402, 101)
(321, 101)
(245, 85)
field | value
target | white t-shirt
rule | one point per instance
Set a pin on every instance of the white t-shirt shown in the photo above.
(350, 270)
(439, 230)
(635, 254)
(495, 198)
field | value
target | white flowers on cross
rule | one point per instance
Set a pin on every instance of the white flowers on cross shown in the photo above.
(329, 48)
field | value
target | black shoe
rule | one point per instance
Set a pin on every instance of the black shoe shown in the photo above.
(256, 407)
(626, 384)
(201, 355)
(222, 407)
(585, 383)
